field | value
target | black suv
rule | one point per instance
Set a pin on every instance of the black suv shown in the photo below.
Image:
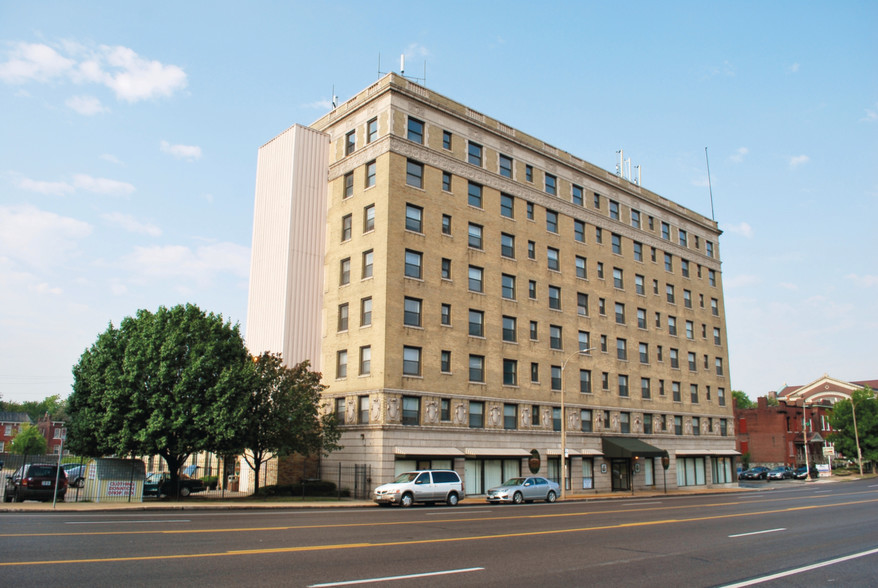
(35, 481)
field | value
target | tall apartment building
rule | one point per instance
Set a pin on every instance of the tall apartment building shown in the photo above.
(456, 281)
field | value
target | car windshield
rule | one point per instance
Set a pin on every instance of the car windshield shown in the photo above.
(41, 471)
(514, 482)
(406, 477)
(154, 478)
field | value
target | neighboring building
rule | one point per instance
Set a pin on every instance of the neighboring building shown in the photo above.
(10, 424)
(772, 435)
(444, 270)
(53, 431)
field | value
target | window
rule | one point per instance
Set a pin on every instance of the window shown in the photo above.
(411, 410)
(445, 269)
(368, 258)
(551, 221)
(476, 414)
(446, 140)
(605, 384)
(534, 331)
(623, 385)
(344, 272)
(691, 360)
(475, 236)
(614, 210)
(535, 379)
(693, 393)
(414, 218)
(532, 289)
(341, 364)
(413, 261)
(647, 424)
(510, 416)
(625, 422)
(531, 250)
(585, 421)
(445, 363)
(675, 391)
(446, 224)
(582, 304)
(507, 285)
(476, 279)
(658, 353)
(474, 197)
(669, 292)
(551, 184)
(474, 154)
(445, 315)
(343, 317)
(556, 419)
(370, 174)
(597, 200)
(622, 349)
(350, 142)
(687, 298)
(639, 285)
(643, 349)
(530, 210)
(585, 381)
(678, 426)
(635, 218)
(711, 277)
(507, 245)
(555, 337)
(477, 368)
(415, 131)
(620, 313)
(584, 342)
(510, 372)
(476, 323)
(658, 320)
(369, 218)
(581, 271)
(371, 130)
(708, 245)
(411, 361)
(716, 336)
(714, 307)
(617, 244)
(363, 410)
(721, 396)
(684, 241)
(684, 267)
(509, 329)
(602, 306)
(339, 410)
(365, 360)
(690, 330)
(719, 366)
(446, 181)
(556, 383)
(346, 221)
(414, 174)
(579, 231)
(555, 297)
(638, 251)
(641, 318)
(412, 312)
(618, 282)
(669, 262)
(529, 173)
(505, 166)
(507, 206)
(552, 259)
(644, 390)
(666, 231)
(349, 184)
(366, 312)
(600, 270)
(577, 194)
(675, 358)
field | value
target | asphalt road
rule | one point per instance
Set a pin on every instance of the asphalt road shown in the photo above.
(807, 535)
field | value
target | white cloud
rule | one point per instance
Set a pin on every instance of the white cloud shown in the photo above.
(739, 155)
(797, 160)
(42, 187)
(794, 68)
(187, 152)
(788, 286)
(200, 265)
(85, 105)
(744, 229)
(102, 185)
(131, 77)
(111, 159)
(865, 281)
(38, 238)
(741, 281)
(319, 105)
(871, 114)
(130, 224)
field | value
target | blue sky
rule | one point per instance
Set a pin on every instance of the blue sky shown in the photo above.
(129, 132)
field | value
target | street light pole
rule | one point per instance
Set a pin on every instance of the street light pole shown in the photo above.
(564, 423)
(857, 435)
(805, 439)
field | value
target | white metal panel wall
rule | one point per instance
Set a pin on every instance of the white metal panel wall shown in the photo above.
(285, 305)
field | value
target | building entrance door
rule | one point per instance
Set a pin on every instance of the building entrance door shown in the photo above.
(620, 469)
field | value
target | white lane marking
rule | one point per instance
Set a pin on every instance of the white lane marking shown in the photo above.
(758, 532)
(800, 570)
(125, 522)
(463, 512)
(389, 578)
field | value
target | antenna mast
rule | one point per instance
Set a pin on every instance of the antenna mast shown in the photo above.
(709, 185)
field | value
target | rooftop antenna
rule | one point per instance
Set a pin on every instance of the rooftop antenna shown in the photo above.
(402, 65)
(709, 185)
(334, 98)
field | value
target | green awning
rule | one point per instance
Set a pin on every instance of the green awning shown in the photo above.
(629, 447)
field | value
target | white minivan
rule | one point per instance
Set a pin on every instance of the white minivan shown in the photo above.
(427, 486)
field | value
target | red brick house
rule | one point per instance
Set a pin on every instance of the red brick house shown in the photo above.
(10, 424)
(52, 431)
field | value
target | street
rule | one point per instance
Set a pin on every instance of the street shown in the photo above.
(701, 540)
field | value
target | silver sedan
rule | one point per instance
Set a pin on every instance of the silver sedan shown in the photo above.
(527, 489)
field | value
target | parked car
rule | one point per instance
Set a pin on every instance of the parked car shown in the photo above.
(159, 484)
(756, 473)
(801, 473)
(527, 489)
(75, 474)
(427, 486)
(780, 473)
(36, 481)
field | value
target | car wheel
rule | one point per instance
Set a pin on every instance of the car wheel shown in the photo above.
(550, 497)
(406, 500)
(184, 491)
(79, 483)
(452, 499)
(517, 498)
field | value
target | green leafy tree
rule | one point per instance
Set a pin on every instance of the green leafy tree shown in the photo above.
(842, 423)
(742, 400)
(283, 415)
(169, 383)
(54, 405)
(29, 441)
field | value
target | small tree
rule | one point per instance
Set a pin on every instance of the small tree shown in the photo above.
(29, 441)
(842, 422)
(283, 415)
(742, 401)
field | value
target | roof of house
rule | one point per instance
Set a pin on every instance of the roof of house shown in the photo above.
(14, 417)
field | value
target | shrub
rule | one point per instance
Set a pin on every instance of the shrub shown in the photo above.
(210, 481)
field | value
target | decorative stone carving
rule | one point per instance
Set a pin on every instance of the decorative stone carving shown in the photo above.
(376, 409)
(431, 411)
(638, 424)
(460, 414)
(687, 426)
(393, 412)
(494, 415)
(547, 417)
(615, 421)
(525, 417)
(350, 416)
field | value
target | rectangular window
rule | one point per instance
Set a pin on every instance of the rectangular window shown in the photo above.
(414, 174)
(618, 281)
(675, 391)
(344, 272)
(714, 307)
(555, 337)
(622, 349)
(555, 297)
(341, 364)
(368, 258)
(638, 251)
(684, 241)
(349, 184)
(510, 372)
(643, 349)
(551, 184)
(446, 269)
(641, 318)
(529, 173)
(678, 426)
(411, 410)
(602, 306)
(551, 221)
(585, 421)
(585, 381)
(666, 231)
(474, 238)
(600, 270)
(445, 315)
(581, 271)
(579, 231)
(413, 261)
(507, 206)
(556, 381)
(532, 289)
(505, 166)
(597, 200)
(507, 286)
(644, 388)
(672, 325)
(620, 313)
(412, 312)
(625, 422)
(719, 366)
(339, 411)
(708, 245)
(623, 385)
(365, 360)
(369, 218)
(535, 379)
(582, 304)
(687, 298)
(693, 393)
(584, 342)
(711, 277)
(476, 323)
(415, 131)
(669, 262)
(684, 267)
(577, 194)
(552, 258)
(531, 250)
(446, 181)
(474, 195)
(507, 245)
(691, 360)
(476, 414)
(639, 286)
(675, 358)
(445, 410)
(475, 279)
(411, 361)
(371, 130)
(477, 368)
(690, 332)
(346, 222)
(414, 218)
(647, 424)
(510, 329)
(614, 210)
(510, 416)
(529, 207)
(370, 174)
(350, 142)
(445, 362)
(669, 291)
(617, 244)
(343, 317)
(363, 410)
(635, 218)
(556, 419)
(366, 312)
(446, 224)
(534, 331)
(474, 154)
(446, 140)
(721, 396)
(716, 336)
